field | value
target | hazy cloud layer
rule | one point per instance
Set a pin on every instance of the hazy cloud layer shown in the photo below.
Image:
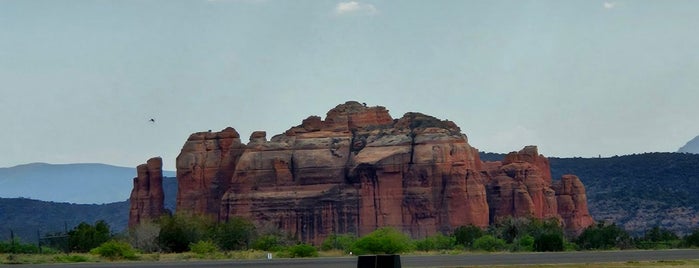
(353, 7)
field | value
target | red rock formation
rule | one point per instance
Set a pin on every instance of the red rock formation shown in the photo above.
(572, 204)
(147, 195)
(204, 169)
(358, 169)
(521, 186)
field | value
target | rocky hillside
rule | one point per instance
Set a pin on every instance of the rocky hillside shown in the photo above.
(637, 191)
(27, 216)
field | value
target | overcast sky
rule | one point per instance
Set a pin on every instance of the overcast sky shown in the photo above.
(81, 79)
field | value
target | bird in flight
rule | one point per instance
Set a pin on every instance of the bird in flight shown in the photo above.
(152, 120)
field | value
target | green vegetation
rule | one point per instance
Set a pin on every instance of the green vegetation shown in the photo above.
(642, 189)
(177, 232)
(465, 235)
(489, 243)
(604, 236)
(385, 240)
(436, 242)
(180, 237)
(692, 240)
(16, 246)
(85, 237)
(342, 242)
(236, 234)
(204, 247)
(115, 250)
(302, 251)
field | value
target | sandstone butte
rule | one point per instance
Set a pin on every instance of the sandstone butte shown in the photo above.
(357, 170)
(147, 196)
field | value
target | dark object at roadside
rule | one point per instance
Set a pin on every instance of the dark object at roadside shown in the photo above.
(378, 261)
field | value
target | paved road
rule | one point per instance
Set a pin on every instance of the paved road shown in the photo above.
(422, 261)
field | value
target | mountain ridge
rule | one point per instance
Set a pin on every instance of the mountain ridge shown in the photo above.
(691, 146)
(79, 183)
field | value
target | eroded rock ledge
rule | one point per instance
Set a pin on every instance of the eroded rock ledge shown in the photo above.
(359, 169)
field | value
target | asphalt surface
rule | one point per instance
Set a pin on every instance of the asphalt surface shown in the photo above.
(422, 261)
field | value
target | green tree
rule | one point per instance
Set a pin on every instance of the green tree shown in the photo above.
(604, 236)
(235, 234)
(657, 234)
(385, 240)
(692, 240)
(657, 238)
(178, 231)
(85, 237)
(549, 242)
(512, 228)
(465, 235)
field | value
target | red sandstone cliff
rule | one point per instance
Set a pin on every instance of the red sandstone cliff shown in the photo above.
(521, 185)
(204, 169)
(359, 169)
(147, 195)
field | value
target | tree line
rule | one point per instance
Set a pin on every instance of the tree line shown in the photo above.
(203, 236)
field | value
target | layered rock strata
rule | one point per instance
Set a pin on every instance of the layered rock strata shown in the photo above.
(147, 198)
(521, 186)
(359, 169)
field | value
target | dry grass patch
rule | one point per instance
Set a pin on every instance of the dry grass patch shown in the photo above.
(630, 264)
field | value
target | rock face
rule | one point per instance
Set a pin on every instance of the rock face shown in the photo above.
(572, 203)
(521, 186)
(147, 198)
(359, 169)
(204, 169)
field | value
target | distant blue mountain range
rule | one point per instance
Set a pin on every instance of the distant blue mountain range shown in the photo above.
(72, 183)
(691, 146)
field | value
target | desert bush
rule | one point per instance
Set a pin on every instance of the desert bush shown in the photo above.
(269, 242)
(115, 250)
(384, 240)
(271, 238)
(17, 247)
(334, 241)
(70, 258)
(489, 243)
(203, 247)
(549, 242)
(465, 235)
(435, 242)
(524, 243)
(302, 251)
(144, 237)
